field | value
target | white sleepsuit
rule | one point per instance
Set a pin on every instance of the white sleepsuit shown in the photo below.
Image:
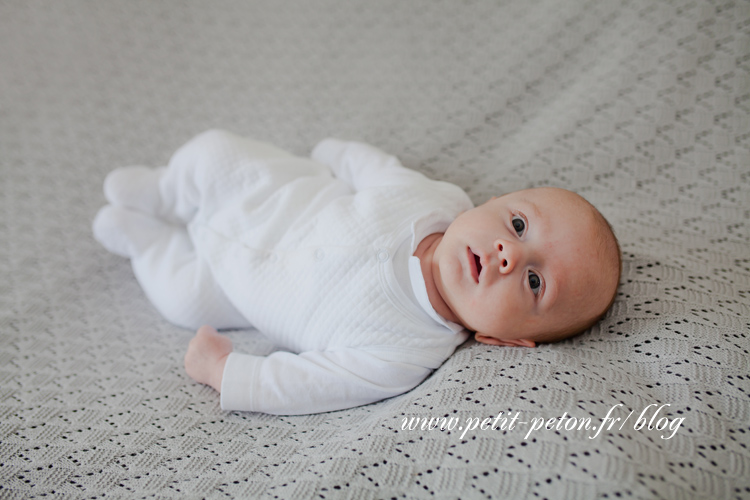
(236, 233)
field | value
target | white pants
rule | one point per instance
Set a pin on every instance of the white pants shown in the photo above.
(150, 210)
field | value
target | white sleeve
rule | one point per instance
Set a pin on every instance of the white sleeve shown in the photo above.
(362, 166)
(284, 383)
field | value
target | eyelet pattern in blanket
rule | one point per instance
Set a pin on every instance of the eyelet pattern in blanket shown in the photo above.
(643, 107)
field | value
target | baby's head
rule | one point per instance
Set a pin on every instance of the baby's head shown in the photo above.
(538, 265)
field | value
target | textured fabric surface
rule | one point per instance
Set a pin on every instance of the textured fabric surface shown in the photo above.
(641, 106)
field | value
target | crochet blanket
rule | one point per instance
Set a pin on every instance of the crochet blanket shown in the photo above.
(642, 107)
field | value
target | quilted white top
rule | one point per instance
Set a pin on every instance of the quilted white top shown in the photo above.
(307, 258)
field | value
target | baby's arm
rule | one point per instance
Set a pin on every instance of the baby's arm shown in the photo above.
(206, 357)
(361, 165)
(290, 384)
(284, 383)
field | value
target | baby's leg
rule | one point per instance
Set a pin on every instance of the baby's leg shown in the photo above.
(181, 286)
(211, 166)
(176, 280)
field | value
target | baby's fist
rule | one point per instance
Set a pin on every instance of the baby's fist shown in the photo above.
(206, 356)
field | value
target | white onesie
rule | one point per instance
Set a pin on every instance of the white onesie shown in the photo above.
(236, 233)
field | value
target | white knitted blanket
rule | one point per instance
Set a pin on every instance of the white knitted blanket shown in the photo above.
(641, 106)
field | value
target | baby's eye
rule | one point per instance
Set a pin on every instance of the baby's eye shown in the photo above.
(518, 224)
(535, 283)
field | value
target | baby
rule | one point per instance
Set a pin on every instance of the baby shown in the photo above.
(366, 274)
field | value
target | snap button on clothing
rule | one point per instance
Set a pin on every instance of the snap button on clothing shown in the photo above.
(319, 254)
(382, 255)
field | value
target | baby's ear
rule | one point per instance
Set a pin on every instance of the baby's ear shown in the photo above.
(505, 343)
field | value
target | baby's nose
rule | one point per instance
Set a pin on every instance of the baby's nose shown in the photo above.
(507, 255)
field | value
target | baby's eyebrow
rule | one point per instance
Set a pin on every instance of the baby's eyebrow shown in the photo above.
(534, 207)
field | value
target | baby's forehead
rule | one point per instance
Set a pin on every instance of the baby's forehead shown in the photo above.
(559, 197)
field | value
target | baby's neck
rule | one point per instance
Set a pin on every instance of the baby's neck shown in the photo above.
(425, 252)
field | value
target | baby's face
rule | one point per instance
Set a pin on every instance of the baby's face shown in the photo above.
(523, 265)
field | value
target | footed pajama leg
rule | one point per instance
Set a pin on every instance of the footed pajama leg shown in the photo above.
(180, 284)
(150, 210)
(205, 170)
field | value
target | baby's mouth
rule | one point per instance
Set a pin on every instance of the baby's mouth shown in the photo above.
(476, 265)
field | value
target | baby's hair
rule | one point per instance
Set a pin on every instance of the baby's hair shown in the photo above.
(608, 249)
